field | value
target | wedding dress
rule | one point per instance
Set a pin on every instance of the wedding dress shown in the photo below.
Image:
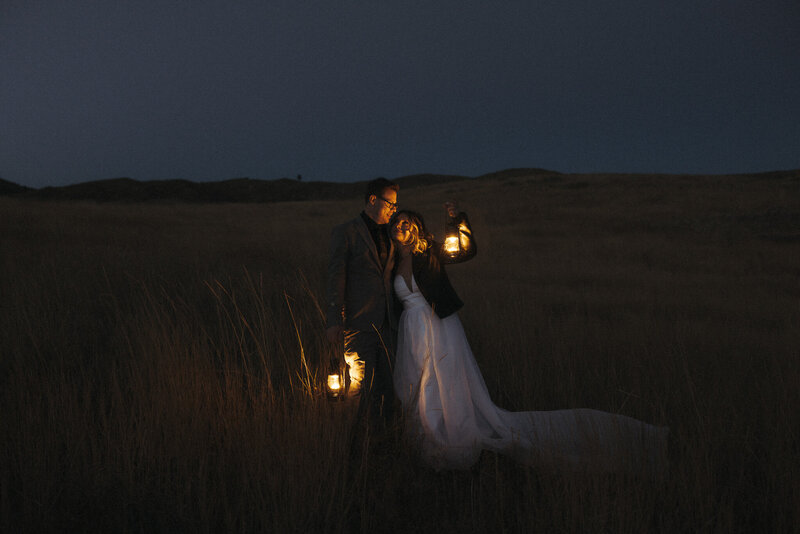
(451, 417)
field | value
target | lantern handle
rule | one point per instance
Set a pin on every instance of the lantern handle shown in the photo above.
(451, 208)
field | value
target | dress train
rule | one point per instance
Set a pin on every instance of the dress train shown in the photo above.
(451, 416)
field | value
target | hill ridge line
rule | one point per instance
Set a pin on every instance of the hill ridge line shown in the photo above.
(245, 189)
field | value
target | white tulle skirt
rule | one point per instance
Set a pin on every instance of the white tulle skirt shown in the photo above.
(451, 418)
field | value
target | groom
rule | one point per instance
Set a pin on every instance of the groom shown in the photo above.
(360, 309)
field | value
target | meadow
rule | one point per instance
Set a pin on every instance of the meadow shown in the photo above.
(161, 364)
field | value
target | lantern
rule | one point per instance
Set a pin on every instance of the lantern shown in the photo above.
(336, 381)
(334, 386)
(452, 242)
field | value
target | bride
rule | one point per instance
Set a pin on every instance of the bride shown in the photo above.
(448, 411)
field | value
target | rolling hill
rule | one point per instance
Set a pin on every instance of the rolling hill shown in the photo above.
(127, 190)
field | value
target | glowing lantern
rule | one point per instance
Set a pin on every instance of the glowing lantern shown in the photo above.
(335, 386)
(452, 241)
(337, 382)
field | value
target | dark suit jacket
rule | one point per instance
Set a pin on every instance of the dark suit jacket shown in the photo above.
(359, 287)
(430, 274)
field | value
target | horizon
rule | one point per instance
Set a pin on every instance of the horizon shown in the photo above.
(204, 92)
(533, 170)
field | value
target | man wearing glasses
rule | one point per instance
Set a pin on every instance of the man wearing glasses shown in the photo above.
(360, 310)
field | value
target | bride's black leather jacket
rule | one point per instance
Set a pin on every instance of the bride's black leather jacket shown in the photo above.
(430, 274)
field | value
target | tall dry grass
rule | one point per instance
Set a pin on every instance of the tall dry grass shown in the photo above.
(159, 363)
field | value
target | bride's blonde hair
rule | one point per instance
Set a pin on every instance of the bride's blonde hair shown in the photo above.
(420, 238)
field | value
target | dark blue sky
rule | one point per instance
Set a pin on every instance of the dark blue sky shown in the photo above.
(349, 90)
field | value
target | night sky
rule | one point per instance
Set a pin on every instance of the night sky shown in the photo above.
(350, 90)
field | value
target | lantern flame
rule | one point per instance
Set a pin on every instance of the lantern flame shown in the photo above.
(451, 244)
(334, 384)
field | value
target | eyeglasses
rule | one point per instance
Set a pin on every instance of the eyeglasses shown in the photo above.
(392, 205)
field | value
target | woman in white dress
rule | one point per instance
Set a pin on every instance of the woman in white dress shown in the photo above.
(446, 404)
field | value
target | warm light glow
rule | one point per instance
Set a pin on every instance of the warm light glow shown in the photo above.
(334, 384)
(451, 244)
(356, 372)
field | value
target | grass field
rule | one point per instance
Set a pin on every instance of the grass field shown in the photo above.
(160, 363)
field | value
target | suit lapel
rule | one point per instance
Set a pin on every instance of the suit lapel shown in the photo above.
(363, 231)
(390, 258)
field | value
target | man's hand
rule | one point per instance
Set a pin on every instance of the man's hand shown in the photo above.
(335, 334)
